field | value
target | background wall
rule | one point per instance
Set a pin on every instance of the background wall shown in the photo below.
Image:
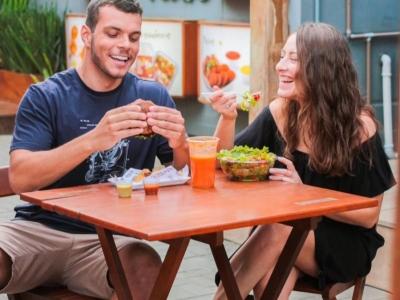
(368, 16)
(69, 6)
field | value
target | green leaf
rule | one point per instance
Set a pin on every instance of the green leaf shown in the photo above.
(35, 78)
(32, 39)
(246, 153)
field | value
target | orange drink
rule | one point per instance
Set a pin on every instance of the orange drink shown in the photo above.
(203, 172)
(203, 151)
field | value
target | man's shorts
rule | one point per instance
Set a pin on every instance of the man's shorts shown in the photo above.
(44, 256)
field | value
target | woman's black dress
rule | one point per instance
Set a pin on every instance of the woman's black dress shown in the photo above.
(343, 251)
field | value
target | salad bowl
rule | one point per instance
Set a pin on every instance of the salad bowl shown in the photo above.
(244, 163)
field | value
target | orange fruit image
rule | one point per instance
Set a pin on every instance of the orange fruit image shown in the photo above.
(74, 32)
(82, 55)
(73, 48)
(232, 55)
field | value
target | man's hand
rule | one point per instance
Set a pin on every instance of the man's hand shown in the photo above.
(117, 124)
(169, 123)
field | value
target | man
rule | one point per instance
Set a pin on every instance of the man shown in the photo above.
(77, 128)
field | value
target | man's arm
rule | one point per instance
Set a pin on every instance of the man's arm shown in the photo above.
(33, 170)
(181, 157)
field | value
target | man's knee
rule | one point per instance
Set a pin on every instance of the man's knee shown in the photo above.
(5, 268)
(140, 256)
(141, 265)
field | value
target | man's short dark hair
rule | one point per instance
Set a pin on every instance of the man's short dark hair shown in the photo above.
(92, 12)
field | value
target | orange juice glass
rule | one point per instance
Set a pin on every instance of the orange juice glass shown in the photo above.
(203, 150)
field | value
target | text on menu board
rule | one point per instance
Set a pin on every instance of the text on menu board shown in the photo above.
(156, 35)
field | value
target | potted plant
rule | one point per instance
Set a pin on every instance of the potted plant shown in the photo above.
(32, 45)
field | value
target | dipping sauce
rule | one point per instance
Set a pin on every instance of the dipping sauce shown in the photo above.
(151, 189)
(124, 190)
(151, 185)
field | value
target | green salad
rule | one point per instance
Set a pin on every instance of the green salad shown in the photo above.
(243, 163)
(246, 153)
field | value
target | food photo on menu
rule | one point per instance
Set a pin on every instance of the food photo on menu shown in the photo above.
(227, 69)
(75, 47)
(230, 71)
(164, 69)
(224, 57)
(144, 63)
(156, 66)
(216, 73)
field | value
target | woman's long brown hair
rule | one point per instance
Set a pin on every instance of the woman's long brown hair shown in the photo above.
(331, 106)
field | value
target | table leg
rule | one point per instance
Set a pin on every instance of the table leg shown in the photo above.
(114, 264)
(169, 268)
(216, 243)
(289, 254)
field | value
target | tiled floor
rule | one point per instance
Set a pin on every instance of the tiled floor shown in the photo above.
(195, 280)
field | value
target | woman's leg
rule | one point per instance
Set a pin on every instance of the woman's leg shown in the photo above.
(287, 288)
(254, 262)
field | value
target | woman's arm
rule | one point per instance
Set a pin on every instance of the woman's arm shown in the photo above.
(225, 105)
(366, 217)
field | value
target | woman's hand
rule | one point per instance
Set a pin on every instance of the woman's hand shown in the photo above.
(225, 104)
(289, 175)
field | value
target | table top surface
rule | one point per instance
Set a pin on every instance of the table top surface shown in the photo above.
(180, 211)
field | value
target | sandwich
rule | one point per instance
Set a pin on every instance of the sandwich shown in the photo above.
(147, 132)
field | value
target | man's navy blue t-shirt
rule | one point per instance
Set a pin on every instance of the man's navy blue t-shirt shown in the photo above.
(62, 108)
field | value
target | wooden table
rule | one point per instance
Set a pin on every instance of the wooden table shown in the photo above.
(180, 213)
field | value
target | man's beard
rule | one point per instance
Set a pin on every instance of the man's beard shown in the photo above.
(98, 62)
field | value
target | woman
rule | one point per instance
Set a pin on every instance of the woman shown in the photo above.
(325, 136)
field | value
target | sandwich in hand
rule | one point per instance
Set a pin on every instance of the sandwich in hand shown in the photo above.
(144, 105)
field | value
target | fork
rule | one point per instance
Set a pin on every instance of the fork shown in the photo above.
(236, 93)
(114, 177)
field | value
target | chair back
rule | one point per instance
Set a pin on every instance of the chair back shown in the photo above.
(5, 188)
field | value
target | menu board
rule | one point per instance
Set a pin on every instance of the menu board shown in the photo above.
(164, 46)
(224, 56)
(167, 54)
(75, 47)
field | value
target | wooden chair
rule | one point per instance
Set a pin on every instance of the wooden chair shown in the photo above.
(39, 293)
(309, 285)
(331, 290)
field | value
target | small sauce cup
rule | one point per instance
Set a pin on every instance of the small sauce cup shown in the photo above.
(151, 185)
(124, 188)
